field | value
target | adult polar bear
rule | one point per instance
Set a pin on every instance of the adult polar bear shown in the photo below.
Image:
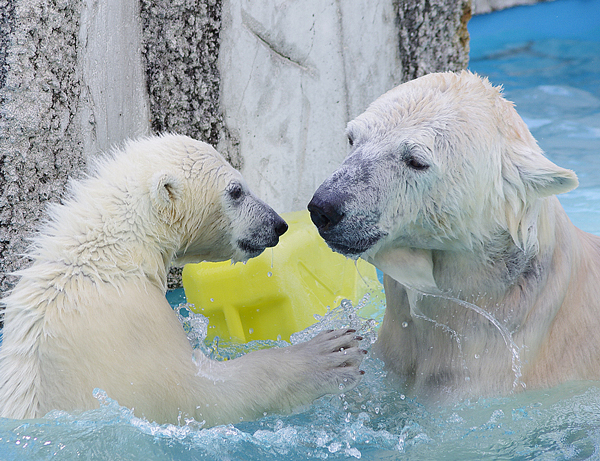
(447, 192)
(91, 310)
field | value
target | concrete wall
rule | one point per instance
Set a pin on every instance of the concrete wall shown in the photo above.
(291, 78)
(272, 84)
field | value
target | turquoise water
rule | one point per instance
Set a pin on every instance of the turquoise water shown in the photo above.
(548, 59)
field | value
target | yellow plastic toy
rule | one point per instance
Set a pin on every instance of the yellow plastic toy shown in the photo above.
(279, 292)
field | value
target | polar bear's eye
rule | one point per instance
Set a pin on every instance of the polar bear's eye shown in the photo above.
(415, 163)
(235, 191)
(350, 141)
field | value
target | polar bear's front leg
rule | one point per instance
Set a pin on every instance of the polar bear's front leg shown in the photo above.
(281, 379)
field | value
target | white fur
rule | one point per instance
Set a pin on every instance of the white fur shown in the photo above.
(489, 286)
(91, 311)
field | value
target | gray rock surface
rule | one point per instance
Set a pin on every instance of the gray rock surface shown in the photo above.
(41, 144)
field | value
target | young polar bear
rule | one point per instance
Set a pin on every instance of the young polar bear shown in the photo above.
(91, 310)
(489, 286)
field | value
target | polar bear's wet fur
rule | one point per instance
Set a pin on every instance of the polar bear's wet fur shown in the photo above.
(90, 312)
(447, 192)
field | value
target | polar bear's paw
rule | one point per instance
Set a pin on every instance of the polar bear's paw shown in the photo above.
(281, 379)
(336, 358)
(327, 364)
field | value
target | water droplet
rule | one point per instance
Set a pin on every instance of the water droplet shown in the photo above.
(212, 300)
(404, 324)
(251, 330)
(269, 274)
(476, 356)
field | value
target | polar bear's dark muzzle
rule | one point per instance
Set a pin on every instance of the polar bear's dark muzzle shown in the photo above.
(348, 234)
(264, 236)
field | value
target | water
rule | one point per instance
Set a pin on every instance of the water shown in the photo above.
(373, 422)
(548, 59)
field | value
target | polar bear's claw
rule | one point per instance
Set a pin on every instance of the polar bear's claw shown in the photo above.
(339, 358)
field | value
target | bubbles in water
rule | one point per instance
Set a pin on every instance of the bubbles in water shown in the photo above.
(334, 447)
(269, 274)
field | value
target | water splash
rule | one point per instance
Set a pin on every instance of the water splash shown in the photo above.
(515, 350)
(194, 325)
(346, 315)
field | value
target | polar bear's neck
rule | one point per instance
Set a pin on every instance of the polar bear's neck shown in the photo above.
(492, 318)
(499, 277)
(109, 238)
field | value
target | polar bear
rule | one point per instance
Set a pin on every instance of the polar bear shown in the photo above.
(90, 312)
(489, 287)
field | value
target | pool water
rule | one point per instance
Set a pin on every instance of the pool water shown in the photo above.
(548, 59)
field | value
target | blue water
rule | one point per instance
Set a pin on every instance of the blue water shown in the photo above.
(547, 57)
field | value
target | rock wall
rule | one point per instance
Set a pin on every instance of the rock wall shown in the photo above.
(272, 84)
(291, 78)
(41, 144)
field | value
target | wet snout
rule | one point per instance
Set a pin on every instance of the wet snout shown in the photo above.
(265, 232)
(343, 212)
(280, 227)
(326, 208)
(273, 227)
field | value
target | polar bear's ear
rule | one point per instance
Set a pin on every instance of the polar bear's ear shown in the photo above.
(543, 178)
(165, 191)
(528, 177)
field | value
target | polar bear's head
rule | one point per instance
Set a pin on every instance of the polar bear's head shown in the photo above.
(443, 162)
(185, 196)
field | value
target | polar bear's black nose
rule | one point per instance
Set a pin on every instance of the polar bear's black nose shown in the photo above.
(324, 214)
(280, 226)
